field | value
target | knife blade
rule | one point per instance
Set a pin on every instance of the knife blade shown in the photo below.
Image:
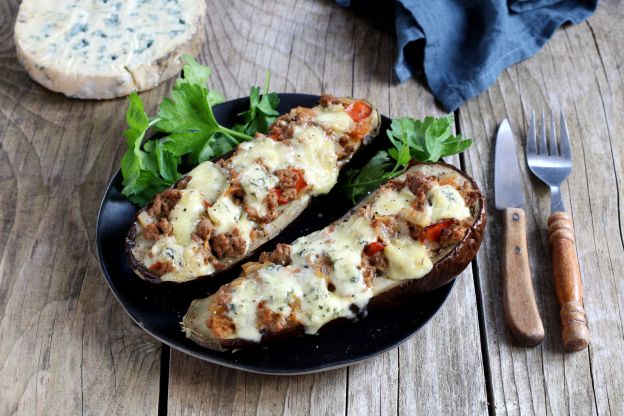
(507, 179)
(521, 313)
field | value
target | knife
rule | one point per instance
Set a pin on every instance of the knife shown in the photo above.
(521, 312)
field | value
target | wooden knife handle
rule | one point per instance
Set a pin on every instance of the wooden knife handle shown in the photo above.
(521, 311)
(568, 286)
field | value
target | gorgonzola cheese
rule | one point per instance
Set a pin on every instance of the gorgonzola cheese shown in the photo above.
(106, 49)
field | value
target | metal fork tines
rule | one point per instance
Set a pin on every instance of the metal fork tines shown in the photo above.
(550, 162)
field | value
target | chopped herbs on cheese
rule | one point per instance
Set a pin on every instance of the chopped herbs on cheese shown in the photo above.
(334, 272)
(218, 210)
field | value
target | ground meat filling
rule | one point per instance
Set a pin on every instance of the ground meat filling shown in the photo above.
(228, 244)
(160, 268)
(288, 179)
(204, 229)
(289, 188)
(454, 233)
(283, 128)
(271, 203)
(374, 265)
(183, 183)
(281, 255)
(158, 211)
(291, 184)
(419, 185)
(469, 194)
(218, 322)
(328, 99)
(164, 202)
(268, 321)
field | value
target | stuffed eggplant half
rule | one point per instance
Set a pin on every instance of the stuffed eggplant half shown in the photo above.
(414, 234)
(219, 213)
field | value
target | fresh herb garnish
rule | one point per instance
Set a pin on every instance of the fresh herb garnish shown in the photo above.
(425, 140)
(190, 129)
(262, 110)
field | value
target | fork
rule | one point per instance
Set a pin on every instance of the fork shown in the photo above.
(552, 166)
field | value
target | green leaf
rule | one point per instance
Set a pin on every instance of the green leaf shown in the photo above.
(195, 73)
(182, 143)
(142, 188)
(262, 110)
(187, 110)
(167, 164)
(426, 140)
(138, 123)
(374, 173)
(191, 129)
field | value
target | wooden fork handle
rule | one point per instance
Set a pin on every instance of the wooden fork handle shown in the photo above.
(568, 286)
(521, 312)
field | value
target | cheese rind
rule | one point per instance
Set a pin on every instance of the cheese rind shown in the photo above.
(106, 49)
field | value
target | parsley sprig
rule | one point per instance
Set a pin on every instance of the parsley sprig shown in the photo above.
(189, 129)
(426, 140)
(262, 110)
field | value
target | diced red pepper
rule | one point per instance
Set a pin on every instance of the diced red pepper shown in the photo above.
(432, 232)
(301, 183)
(373, 248)
(359, 110)
(282, 200)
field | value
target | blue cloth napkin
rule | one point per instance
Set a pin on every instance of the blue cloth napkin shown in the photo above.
(468, 43)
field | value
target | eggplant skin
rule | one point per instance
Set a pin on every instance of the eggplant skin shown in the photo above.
(296, 208)
(444, 271)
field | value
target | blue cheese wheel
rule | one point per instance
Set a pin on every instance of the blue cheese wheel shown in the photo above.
(97, 49)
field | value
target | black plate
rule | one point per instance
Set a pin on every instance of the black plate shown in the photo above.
(158, 309)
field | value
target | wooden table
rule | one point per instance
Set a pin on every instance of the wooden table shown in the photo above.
(67, 347)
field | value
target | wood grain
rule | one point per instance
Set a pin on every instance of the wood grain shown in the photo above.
(66, 346)
(325, 48)
(568, 286)
(579, 70)
(521, 314)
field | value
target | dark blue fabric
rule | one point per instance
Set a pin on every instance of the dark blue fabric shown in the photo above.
(467, 44)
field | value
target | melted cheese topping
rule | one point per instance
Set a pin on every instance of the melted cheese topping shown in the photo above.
(335, 118)
(207, 183)
(185, 215)
(391, 202)
(277, 286)
(208, 179)
(315, 154)
(224, 214)
(187, 260)
(312, 149)
(337, 250)
(447, 203)
(273, 154)
(407, 259)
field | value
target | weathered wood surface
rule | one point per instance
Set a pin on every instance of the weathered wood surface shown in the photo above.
(324, 48)
(67, 347)
(580, 70)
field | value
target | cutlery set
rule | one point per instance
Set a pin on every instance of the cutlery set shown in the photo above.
(551, 161)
